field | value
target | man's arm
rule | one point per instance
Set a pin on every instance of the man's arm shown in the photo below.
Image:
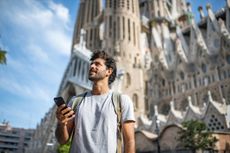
(65, 124)
(129, 139)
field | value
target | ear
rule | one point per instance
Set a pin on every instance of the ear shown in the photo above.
(109, 71)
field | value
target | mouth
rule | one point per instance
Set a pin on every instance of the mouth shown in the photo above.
(92, 72)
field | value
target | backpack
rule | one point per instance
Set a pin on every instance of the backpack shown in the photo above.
(116, 100)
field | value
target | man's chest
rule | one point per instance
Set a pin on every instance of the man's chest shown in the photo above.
(92, 114)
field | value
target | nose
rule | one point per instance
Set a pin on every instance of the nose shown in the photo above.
(92, 65)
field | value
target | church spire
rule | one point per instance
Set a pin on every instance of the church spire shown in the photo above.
(88, 10)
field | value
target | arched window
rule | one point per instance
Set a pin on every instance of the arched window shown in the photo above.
(127, 80)
(206, 80)
(204, 68)
(135, 101)
(182, 75)
(228, 59)
(163, 82)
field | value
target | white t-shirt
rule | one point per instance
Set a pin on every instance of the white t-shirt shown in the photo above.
(96, 123)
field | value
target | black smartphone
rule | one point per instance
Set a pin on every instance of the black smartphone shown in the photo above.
(59, 101)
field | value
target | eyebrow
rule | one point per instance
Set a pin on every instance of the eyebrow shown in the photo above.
(95, 62)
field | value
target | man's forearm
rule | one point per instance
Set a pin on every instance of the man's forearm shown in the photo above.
(61, 133)
(130, 146)
(129, 138)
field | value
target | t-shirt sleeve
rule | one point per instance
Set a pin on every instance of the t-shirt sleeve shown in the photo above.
(127, 109)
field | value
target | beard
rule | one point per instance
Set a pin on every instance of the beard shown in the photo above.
(95, 76)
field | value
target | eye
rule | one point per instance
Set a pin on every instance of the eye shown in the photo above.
(98, 64)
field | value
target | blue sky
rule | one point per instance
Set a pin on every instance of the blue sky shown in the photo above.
(37, 35)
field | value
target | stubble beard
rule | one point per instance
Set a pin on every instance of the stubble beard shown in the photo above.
(98, 76)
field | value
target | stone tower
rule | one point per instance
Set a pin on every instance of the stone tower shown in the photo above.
(171, 8)
(87, 12)
(121, 39)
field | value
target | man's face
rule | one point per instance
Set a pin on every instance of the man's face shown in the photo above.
(98, 70)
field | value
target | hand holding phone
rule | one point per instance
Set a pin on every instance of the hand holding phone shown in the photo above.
(65, 113)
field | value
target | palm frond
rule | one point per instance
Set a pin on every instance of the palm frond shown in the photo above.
(3, 56)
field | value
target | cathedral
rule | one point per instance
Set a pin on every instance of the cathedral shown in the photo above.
(174, 68)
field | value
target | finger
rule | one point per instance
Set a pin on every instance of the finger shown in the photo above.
(68, 119)
(66, 110)
(72, 117)
(61, 107)
(69, 114)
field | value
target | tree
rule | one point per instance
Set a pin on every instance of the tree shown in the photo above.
(2, 56)
(195, 136)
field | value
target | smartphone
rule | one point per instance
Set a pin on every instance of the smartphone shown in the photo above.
(59, 101)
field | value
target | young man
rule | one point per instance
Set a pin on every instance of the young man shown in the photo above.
(94, 123)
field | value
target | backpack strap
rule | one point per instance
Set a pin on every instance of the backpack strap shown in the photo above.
(116, 100)
(77, 101)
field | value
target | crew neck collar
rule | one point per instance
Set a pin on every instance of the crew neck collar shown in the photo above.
(104, 94)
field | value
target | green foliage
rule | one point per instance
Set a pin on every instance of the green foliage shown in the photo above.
(195, 136)
(2, 56)
(64, 148)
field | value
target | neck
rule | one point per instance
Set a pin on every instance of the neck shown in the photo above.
(100, 88)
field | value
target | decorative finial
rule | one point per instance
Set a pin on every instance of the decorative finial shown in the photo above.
(200, 9)
(189, 99)
(210, 96)
(172, 105)
(224, 101)
(208, 6)
(156, 110)
(189, 8)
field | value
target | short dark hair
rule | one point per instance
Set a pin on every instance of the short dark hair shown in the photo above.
(109, 62)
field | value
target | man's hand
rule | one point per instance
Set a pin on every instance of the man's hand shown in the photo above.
(64, 114)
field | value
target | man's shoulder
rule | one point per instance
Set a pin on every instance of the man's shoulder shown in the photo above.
(118, 93)
(123, 97)
(79, 96)
(83, 94)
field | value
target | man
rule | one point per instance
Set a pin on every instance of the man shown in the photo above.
(94, 123)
